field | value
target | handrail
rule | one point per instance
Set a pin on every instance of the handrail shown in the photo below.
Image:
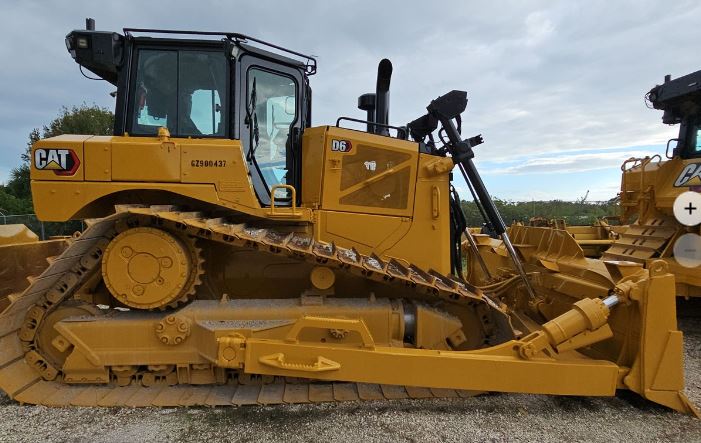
(401, 130)
(272, 199)
(310, 60)
(634, 160)
(642, 163)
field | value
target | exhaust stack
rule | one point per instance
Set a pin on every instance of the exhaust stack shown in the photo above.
(377, 105)
(384, 75)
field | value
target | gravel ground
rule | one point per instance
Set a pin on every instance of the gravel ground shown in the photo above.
(493, 417)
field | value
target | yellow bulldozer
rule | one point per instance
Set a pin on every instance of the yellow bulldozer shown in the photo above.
(651, 185)
(235, 254)
(646, 229)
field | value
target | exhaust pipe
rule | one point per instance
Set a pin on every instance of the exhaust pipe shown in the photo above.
(89, 24)
(384, 75)
(377, 105)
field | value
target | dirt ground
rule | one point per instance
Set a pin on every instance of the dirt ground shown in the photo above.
(493, 417)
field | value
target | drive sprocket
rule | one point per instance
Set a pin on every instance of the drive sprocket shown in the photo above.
(150, 268)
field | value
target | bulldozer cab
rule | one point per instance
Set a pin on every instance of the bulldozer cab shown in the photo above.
(220, 88)
(680, 99)
(688, 141)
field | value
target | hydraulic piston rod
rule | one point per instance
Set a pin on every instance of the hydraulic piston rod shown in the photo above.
(445, 109)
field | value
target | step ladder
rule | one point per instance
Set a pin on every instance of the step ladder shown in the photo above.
(642, 241)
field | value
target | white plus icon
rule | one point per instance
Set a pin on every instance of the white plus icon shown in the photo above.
(687, 208)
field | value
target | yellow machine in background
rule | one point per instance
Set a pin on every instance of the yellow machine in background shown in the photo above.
(647, 229)
(648, 192)
(237, 255)
(649, 186)
(594, 239)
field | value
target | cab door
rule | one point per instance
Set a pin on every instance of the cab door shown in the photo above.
(270, 123)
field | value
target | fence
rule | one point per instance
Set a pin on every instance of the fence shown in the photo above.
(43, 229)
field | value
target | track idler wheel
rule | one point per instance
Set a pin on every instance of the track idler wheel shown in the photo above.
(53, 348)
(149, 268)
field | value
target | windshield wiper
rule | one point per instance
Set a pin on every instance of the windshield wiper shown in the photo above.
(252, 123)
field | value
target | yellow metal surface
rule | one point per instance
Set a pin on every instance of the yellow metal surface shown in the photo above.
(650, 237)
(98, 158)
(53, 155)
(16, 234)
(205, 170)
(312, 165)
(147, 268)
(557, 265)
(322, 277)
(377, 176)
(648, 184)
(20, 260)
(343, 228)
(649, 187)
(158, 161)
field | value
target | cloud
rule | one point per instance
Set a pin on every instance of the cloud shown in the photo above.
(545, 79)
(569, 163)
(538, 28)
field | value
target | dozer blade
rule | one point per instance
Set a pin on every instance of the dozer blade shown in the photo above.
(23, 256)
(16, 234)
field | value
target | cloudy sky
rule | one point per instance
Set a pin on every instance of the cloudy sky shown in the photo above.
(556, 88)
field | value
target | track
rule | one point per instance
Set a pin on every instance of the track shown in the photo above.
(29, 378)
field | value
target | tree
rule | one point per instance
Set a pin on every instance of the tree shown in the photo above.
(574, 213)
(9, 204)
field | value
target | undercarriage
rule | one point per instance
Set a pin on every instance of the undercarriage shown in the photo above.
(319, 322)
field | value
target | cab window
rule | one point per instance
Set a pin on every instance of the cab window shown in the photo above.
(182, 90)
(271, 112)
